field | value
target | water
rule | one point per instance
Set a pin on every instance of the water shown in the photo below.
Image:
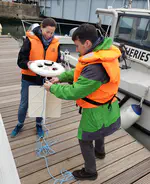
(15, 28)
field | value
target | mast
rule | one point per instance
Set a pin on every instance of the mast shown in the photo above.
(130, 4)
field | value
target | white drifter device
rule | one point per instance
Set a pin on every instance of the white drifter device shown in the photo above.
(46, 68)
(43, 103)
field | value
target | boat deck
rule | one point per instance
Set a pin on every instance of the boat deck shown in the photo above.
(126, 161)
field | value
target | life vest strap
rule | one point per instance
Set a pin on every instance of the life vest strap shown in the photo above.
(98, 103)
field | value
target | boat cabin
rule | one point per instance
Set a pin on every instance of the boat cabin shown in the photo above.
(132, 28)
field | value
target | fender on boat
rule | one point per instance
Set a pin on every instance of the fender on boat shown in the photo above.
(129, 115)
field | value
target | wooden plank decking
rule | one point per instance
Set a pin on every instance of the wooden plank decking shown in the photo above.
(126, 161)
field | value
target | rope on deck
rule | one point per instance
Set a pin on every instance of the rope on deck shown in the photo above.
(43, 149)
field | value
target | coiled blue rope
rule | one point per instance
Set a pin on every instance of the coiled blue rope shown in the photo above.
(42, 151)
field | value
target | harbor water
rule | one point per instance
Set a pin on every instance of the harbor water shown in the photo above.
(15, 28)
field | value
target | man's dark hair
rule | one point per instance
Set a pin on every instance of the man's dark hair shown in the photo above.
(85, 32)
(49, 22)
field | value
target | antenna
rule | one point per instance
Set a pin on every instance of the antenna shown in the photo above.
(130, 4)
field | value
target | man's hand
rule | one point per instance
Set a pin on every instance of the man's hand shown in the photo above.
(47, 85)
(54, 80)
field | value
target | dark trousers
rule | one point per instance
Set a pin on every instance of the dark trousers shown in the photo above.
(88, 153)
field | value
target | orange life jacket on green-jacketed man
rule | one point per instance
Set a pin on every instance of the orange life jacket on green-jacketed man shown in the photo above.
(109, 60)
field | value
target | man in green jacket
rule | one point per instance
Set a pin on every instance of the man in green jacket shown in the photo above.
(95, 83)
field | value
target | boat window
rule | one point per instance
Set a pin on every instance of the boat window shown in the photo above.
(134, 31)
(124, 27)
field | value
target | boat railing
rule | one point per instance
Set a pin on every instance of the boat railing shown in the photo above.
(30, 22)
(114, 17)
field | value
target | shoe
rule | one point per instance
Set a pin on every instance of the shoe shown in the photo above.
(39, 130)
(16, 130)
(83, 175)
(100, 155)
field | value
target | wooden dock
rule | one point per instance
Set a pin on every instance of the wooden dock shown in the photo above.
(126, 161)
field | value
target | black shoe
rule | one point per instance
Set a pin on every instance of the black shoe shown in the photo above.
(100, 155)
(83, 175)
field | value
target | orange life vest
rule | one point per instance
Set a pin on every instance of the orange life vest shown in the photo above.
(109, 60)
(37, 51)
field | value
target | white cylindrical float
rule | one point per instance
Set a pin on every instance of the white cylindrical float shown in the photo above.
(132, 113)
(129, 115)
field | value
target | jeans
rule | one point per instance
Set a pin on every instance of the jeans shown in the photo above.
(23, 107)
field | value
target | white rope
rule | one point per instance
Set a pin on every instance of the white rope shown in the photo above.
(142, 99)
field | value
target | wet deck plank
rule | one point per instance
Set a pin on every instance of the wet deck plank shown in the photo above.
(126, 160)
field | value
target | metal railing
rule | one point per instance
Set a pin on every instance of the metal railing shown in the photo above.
(30, 22)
